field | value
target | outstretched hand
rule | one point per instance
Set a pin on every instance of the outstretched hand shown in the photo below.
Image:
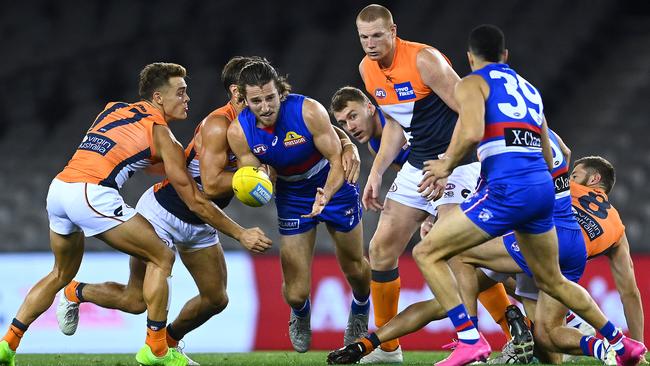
(351, 163)
(319, 203)
(255, 240)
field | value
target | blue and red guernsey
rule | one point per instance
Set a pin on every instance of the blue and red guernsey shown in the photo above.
(562, 213)
(287, 146)
(511, 147)
(375, 142)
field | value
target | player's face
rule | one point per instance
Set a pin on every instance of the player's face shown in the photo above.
(264, 102)
(174, 99)
(377, 38)
(580, 175)
(356, 119)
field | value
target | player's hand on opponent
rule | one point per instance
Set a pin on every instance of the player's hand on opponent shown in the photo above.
(351, 162)
(255, 240)
(319, 203)
(270, 171)
(371, 193)
(432, 173)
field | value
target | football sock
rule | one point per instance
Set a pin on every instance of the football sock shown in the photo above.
(384, 289)
(15, 334)
(495, 300)
(73, 291)
(172, 337)
(614, 337)
(157, 337)
(593, 347)
(572, 320)
(302, 311)
(371, 341)
(360, 304)
(474, 320)
(467, 333)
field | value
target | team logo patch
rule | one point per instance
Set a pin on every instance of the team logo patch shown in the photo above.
(288, 223)
(450, 186)
(465, 193)
(275, 141)
(393, 188)
(380, 93)
(514, 247)
(96, 143)
(485, 215)
(293, 139)
(404, 91)
(261, 194)
(260, 149)
(448, 194)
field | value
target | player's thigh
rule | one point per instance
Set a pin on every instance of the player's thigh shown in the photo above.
(348, 246)
(541, 254)
(453, 233)
(68, 252)
(207, 267)
(492, 255)
(296, 255)
(138, 238)
(396, 225)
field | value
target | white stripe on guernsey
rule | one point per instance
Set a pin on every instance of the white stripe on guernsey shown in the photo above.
(402, 112)
(123, 175)
(499, 147)
(477, 202)
(306, 175)
(468, 335)
(566, 193)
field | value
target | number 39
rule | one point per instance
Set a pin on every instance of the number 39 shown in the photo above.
(515, 87)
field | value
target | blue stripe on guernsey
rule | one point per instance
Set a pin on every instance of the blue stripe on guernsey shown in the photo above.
(376, 142)
(110, 110)
(511, 146)
(112, 181)
(125, 121)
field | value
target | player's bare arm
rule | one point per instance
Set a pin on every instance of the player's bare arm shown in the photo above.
(547, 150)
(213, 149)
(436, 73)
(327, 143)
(239, 146)
(392, 140)
(172, 155)
(622, 268)
(470, 94)
(350, 156)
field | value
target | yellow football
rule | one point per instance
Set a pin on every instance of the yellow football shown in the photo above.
(252, 186)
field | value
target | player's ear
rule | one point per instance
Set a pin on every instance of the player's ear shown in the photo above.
(504, 56)
(157, 97)
(594, 179)
(234, 91)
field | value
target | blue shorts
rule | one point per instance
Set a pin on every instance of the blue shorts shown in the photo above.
(342, 213)
(572, 252)
(499, 208)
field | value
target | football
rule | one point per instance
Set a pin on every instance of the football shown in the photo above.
(252, 186)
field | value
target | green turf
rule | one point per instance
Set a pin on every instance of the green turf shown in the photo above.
(208, 359)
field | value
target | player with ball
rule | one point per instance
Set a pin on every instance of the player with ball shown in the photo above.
(293, 134)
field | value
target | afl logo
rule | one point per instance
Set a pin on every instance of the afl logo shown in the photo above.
(380, 93)
(259, 149)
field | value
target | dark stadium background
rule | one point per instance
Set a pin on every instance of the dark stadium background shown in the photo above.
(62, 61)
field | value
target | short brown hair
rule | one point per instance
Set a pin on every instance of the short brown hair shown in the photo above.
(373, 12)
(600, 165)
(344, 95)
(155, 76)
(259, 73)
(230, 72)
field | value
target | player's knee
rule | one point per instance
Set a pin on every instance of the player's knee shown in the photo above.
(423, 252)
(164, 259)
(296, 295)
(217, 302)
(133, 303)
(551, 286)
(380, 253)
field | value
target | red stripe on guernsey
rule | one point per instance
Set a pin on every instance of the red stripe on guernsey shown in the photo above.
(301, 168)
(496, 129)
(559, 172)
(465, 326)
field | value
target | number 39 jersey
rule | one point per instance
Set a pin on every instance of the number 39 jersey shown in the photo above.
(511, 147)
(600, 223)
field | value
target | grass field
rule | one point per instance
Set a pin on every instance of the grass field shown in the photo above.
(218, 359)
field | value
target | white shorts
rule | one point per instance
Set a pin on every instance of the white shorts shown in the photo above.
(460, 185)
(171, 229)
(91, 208)
(526, 286)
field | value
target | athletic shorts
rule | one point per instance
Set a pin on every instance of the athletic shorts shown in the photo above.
(343, 212)
(171, 229)
(500, 208)
(460, 185)
(91, 208)
(572, 252)
(525, 285)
